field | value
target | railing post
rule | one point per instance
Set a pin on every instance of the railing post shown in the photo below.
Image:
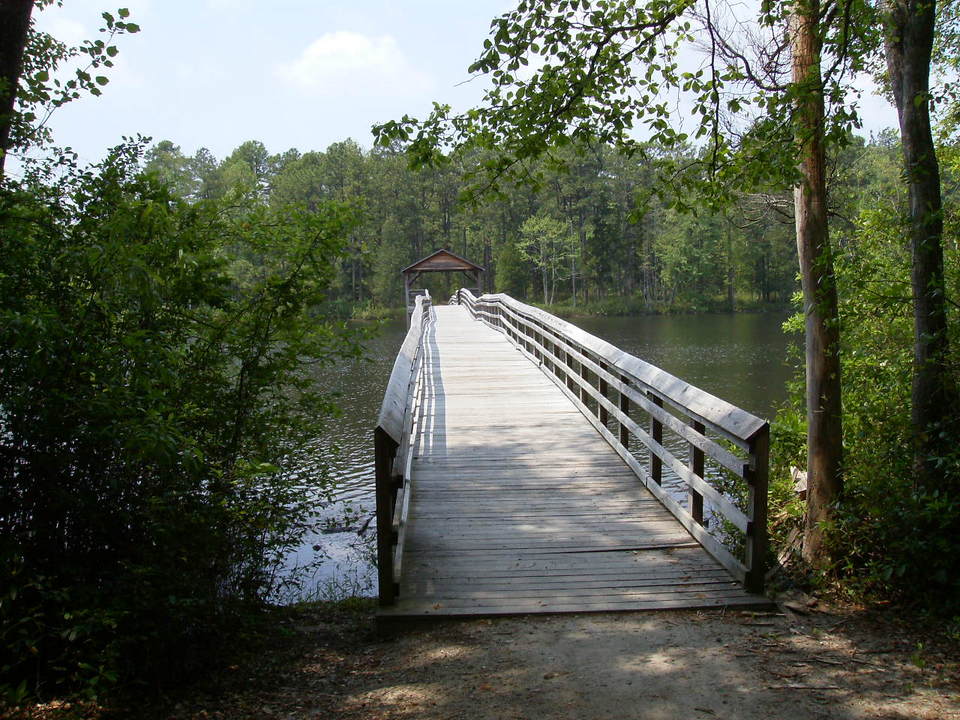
(625, 409)
(585, 376)
(656, 432)
(695, 459)
(385, 450)
(755, 557)
(603, 388)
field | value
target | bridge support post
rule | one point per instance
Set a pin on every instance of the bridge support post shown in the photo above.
(625, 409)
(568, 371)
(656, 432)
(602, 386)
(696, 467)
(585, 376)
(385, 451)
(757, 538)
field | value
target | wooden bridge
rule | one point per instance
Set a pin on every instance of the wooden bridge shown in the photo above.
(526, 466)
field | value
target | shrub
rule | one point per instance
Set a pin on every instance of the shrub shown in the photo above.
(152, 400)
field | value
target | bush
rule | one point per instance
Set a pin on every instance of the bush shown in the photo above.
(891, 538)
(153, 398)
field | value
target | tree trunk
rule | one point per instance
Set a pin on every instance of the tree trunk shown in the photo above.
(731, 290)
(824, 420)
(14, 25)
(908, 44)
(543, 266)
(573, 279)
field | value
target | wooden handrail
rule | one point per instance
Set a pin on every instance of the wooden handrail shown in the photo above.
(607, 383)
(394, 440)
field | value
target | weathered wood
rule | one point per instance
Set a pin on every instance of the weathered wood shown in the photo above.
(406, 608)
(653, 405)
(624, 407)
(570, 355)
(711, 544)
(385, 448)
(397, 395)
(656, 435)
(757, 534)
(515, 505)
(394, 449)
(710, 409)
(603, 389)
(696, 467)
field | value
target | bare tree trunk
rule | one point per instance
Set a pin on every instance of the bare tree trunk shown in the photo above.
(14, 24)
(573, 278)
(543, 265)
(908, 44)
(824, 420)
(731, 293)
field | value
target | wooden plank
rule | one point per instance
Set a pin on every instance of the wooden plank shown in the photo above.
(461, 550)
(559, 576)
(659, 418)
(551, 605)
(650, 562)
(712, 545)
(517, 505)
(555, 581)
(706, 407)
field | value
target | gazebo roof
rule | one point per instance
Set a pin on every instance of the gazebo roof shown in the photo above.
(442, 261)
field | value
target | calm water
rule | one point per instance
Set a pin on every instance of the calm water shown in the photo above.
(738, 357)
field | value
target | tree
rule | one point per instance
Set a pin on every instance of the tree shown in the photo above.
(548, 244)
(155, 399)
(824, 418)
(601, 70)
(175, 169)
(14, 24)
(29, 92)
(909, 40)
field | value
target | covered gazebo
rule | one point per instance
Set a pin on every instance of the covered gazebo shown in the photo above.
(440, 261)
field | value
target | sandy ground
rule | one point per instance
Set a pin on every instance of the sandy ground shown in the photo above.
(652, 666)
(660, 665)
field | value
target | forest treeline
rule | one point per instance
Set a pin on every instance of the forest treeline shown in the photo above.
(589, 229)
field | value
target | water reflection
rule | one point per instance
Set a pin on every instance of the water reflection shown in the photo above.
(738, 357)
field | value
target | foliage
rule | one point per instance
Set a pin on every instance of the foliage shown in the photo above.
(892, 538)
(55, 74)
(152, 357)
(546, 243)
(615, 257)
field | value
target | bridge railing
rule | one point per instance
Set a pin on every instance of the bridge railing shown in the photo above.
(631, 403)
(394, 440)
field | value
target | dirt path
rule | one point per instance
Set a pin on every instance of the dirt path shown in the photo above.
(664, 665)
(651, 666)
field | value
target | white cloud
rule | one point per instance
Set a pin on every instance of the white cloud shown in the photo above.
(66, 30)
(348, 63)
(230, 4)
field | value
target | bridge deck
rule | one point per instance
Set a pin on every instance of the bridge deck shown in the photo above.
(519, 506)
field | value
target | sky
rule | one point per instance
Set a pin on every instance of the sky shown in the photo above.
(290, 73)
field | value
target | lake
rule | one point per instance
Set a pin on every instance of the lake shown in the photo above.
(738, 357)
